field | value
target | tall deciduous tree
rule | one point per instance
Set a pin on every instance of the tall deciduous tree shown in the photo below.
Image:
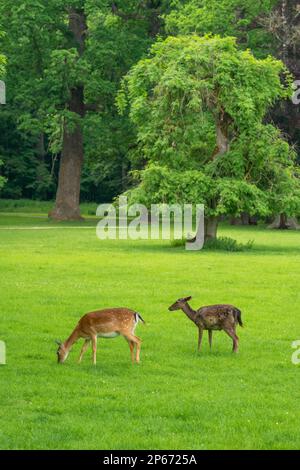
(73, 54)
(68, 191)
(198, 104)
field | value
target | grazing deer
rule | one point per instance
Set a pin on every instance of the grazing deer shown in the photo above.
(107, 323)
(213, 317)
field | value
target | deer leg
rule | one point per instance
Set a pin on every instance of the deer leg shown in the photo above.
(200, 334)
(94, 343)
(210, 338)
(83, 349)
(131, 347)
(135, 340)
(235, 339)
(235, 344)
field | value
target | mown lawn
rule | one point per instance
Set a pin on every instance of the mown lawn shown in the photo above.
(176, 398)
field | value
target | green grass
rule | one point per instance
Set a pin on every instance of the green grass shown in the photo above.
(176, 398)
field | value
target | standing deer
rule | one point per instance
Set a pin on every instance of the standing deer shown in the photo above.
(107, 323)
(213, 317)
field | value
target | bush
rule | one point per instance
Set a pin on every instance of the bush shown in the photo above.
(222, 243)
(228, 244)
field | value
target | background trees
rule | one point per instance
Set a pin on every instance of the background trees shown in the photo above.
(61, 134)
(67, 59)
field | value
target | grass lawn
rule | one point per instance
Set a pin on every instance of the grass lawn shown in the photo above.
(176, 398)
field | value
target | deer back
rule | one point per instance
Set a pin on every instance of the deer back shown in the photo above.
(216, 316)
(107, 321)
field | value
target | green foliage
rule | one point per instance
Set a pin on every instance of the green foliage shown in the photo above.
(188, 76)
(231, 196)
(172, 93)
(2, 179)
(239, 18)
(178, 96)
(2, 64)
(26, 171)
(44, 65)
(261, 155)
(228, 244)
(220, 243)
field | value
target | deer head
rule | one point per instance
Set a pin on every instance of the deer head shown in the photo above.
(62, 353)
(179, 304)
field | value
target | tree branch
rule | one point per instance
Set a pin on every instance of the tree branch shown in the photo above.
(126, 16)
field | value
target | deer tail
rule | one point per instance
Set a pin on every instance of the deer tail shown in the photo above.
(138, 318)
(238, 316)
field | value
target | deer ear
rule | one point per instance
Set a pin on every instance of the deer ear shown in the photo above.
(188, 298)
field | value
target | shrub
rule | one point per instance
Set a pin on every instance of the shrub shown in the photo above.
(222, 243)
(228, 244)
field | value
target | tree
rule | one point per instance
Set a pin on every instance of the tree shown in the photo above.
(72, 55)
(266, 27)
(198, 104)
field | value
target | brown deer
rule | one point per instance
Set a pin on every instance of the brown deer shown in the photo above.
(213, 317)
(107, 323)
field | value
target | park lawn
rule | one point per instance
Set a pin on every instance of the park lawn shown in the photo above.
(176, 398)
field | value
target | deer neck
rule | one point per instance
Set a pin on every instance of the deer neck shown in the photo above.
(190, 313)
(71, 340)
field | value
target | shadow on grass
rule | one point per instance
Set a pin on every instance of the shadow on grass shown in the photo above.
(257, 249)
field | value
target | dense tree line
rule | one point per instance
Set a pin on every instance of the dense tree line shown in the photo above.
(61, 132)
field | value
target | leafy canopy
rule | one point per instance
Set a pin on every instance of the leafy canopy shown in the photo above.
(179, 96)
(239, 18)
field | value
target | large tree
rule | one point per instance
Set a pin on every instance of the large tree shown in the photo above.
(268, 26)
(66, 61)
(198, 104)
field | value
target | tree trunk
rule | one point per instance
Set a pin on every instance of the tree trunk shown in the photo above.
(235, 220)
(283, 222)
(286, 31)
(41, 190)
(223, 121)
(211, 227)
(68, 191)
(222, 141)
(245, 218)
